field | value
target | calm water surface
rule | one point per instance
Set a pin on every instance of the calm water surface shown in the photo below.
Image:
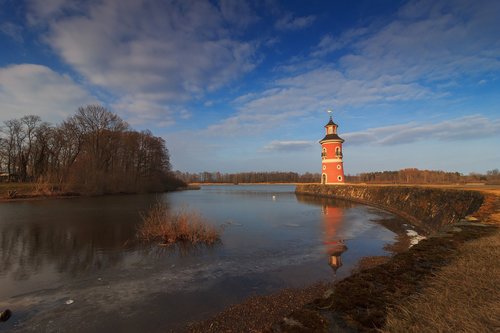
(84, 250)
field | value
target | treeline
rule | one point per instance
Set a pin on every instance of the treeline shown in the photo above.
(416, 176)
(248, 177)
(94, 151)
(404, 176)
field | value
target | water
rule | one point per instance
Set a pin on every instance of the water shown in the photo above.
(84, 250)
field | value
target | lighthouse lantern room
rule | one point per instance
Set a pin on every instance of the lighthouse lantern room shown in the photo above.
(331, 156)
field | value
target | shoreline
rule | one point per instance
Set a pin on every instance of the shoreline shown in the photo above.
(33, 196)
(370, 298)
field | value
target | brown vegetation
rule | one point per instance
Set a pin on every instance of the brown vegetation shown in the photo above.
(170, 227)
(258, 313)
(93, 151)
(416, 176)
(447, 306)
(12, 191)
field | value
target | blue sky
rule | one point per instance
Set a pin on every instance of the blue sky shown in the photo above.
(244, 86)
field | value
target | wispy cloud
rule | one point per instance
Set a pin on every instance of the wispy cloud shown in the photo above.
(290, 22)
(465, 128)
(40, 11)
(308, 93)
(154, 53)
(429, 41)
(287, 146)
(35, 89)
(418, 56)
(329, 43)
(12, 30)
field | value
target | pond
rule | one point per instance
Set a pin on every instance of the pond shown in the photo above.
(76, 263)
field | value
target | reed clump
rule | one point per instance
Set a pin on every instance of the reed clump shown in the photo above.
(185, 225)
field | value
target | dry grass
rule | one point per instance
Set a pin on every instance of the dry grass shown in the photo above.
(14, 190)
(34, 190)
(463, 297)
(158, 224)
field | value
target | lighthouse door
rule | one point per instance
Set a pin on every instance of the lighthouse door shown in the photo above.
(323, 179)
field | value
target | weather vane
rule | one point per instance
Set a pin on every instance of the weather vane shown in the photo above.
(329, 112)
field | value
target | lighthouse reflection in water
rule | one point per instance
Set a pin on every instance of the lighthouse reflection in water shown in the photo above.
(334, 246)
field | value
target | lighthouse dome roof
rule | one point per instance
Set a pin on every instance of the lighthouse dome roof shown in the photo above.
(332, 137)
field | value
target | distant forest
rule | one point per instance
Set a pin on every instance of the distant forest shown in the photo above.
(248, 177)
(416, 176)
(94, 151)
(405, 176)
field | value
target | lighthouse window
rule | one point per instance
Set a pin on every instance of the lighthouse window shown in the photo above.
(324, 167)
(339, 178)
(323, 154)
(330, 130)
(339, 167)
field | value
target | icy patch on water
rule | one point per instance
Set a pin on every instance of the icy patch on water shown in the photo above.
(415, 238)
(123, 291)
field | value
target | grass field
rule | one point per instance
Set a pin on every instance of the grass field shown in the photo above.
(462, 297)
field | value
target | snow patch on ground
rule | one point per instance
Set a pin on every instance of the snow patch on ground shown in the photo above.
(415, 238)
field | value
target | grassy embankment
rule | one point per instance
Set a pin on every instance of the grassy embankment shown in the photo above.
(463, 296)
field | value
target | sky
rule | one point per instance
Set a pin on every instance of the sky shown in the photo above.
(235, 85)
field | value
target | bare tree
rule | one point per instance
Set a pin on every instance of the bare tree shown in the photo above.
(93, 151)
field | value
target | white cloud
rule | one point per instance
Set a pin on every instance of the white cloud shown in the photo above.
(156, 53)
(306, 94)
(419, 56)
(430, 41)
(289, 22)
(288, 146)
(34, 89)
(465, 128)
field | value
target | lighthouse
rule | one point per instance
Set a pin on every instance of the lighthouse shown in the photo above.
(332, 166)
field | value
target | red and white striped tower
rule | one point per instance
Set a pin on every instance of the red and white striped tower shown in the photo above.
(331, 156)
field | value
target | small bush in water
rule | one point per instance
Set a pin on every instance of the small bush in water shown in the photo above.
(182, 226)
